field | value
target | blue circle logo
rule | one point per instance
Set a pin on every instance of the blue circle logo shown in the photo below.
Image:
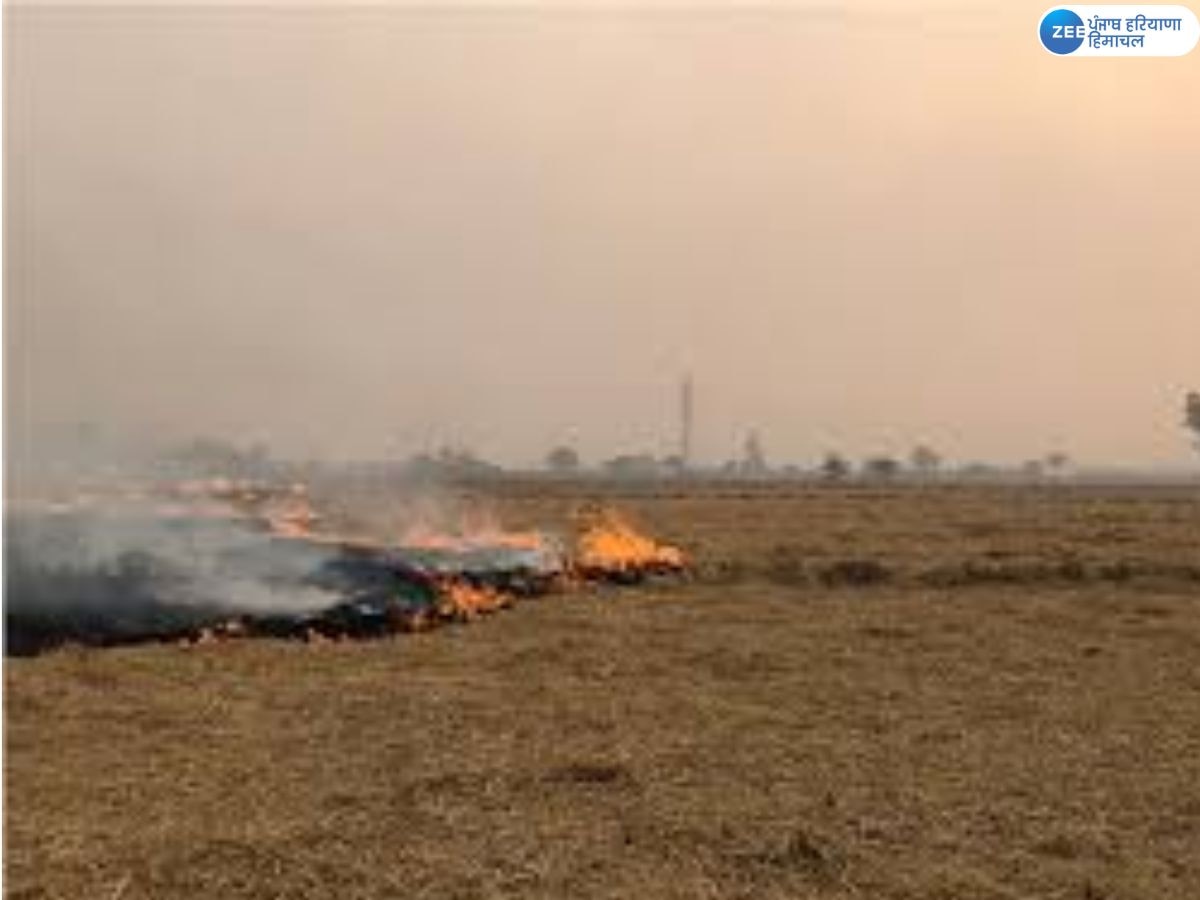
(1061, 31)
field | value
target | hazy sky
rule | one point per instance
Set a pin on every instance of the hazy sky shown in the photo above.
(368, 230)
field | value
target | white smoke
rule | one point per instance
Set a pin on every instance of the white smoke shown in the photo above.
(107, 575)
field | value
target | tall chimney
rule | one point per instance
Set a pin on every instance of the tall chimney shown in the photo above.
(685, 422)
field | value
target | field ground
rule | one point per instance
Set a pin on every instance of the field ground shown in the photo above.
(908, 693)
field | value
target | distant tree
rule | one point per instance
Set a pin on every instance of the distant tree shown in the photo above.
(924, 460)
(1033, 468)
(983, 471)
(883, 468)
(463, 463)
(835, 467)
(633, 465)
(754, 459)
(1191, 415)
(673, 465)
(451, 462)
(1057, 462)
(208, 457)
(562, 460)
(421, 465)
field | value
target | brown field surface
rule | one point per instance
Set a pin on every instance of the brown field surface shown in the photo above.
(935, 692)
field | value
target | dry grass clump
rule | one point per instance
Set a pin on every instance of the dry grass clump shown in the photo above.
(1063, 572)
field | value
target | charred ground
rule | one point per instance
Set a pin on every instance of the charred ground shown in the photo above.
(919, 692)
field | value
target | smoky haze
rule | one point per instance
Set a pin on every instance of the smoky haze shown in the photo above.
(372, 230)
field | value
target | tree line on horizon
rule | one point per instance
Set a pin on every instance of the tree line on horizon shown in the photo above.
(922, 462)
(214, 456)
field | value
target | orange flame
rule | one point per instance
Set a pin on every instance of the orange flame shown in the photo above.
(464, 601)
(610, 544)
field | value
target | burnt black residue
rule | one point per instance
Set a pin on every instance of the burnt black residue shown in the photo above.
(119, 601)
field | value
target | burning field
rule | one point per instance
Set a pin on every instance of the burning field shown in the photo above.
(837, 693)
(237, 562)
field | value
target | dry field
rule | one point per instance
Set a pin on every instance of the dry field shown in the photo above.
(906, 693)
